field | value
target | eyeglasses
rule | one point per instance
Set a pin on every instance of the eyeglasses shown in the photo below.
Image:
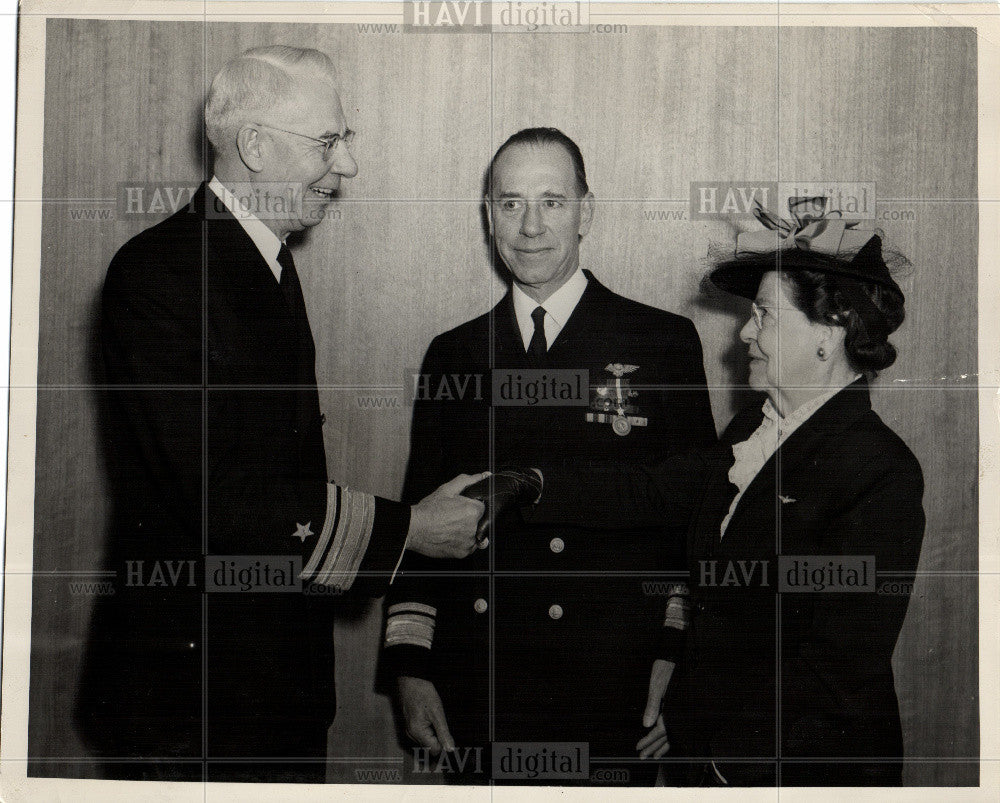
(761, 314)
(330, 144)
(758, 314)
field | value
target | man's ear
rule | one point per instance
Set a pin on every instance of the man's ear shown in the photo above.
(586, 213)
(250, 147)
(489, 213)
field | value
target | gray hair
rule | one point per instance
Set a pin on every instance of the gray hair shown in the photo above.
(255, 83)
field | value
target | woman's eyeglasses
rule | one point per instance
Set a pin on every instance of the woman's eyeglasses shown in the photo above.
(758, 313)
(761, 314)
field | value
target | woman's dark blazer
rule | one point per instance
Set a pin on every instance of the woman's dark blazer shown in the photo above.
(842, 487)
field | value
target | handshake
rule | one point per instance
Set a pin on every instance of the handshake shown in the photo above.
(455, 520)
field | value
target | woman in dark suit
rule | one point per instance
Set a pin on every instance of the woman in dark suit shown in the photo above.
(807, 521)
(811, 511)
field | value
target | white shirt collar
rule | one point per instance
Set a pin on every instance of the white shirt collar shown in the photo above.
(267, 241)
(558, 308)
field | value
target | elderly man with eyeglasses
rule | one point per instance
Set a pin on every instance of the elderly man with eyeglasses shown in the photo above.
(214, 659)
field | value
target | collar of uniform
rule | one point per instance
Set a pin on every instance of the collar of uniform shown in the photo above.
(267, 241)
(558, 307)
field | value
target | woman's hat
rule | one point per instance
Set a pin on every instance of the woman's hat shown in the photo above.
(813, 230)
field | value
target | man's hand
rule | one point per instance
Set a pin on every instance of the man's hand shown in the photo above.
(503, 493)
(443, 523)
(655, 743)
(424, 714)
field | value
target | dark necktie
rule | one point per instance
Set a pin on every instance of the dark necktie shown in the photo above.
(290, 287)
(538, 347)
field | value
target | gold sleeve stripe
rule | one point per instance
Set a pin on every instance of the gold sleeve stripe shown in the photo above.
(331, 521)
(355, 549)
(678, 614)
(409, 628)
(412, 607)
(350, 540)
(346, 524)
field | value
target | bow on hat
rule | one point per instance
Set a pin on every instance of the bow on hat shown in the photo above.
(812, 228)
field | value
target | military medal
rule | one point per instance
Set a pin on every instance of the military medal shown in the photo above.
(613, 401)
(620, 425)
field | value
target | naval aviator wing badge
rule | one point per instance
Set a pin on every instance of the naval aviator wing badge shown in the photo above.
(614, 402)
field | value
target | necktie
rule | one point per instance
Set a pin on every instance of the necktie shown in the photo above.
(289, 283)
(538, 347)
(291, 289)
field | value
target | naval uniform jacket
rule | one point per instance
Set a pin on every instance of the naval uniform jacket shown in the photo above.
(215, 429)
(842, 484)
(556, 616)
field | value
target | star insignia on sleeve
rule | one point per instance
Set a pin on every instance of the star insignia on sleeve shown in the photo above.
(302, 531)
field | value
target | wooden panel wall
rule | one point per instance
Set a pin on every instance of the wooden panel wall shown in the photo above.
(404, 258)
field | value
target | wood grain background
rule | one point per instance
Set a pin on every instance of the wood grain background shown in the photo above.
(404, 257)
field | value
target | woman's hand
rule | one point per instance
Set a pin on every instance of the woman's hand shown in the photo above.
(659, 679)
(655, 743)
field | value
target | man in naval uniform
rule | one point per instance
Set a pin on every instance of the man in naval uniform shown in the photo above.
(214, 659)
(549, 635)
